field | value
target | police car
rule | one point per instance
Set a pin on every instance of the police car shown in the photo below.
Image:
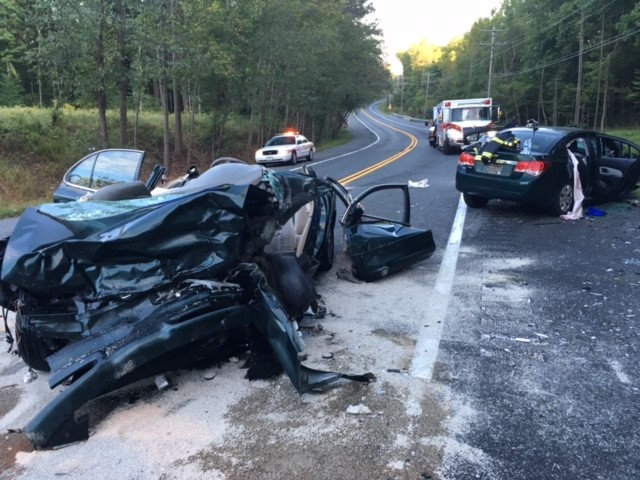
(286, 147)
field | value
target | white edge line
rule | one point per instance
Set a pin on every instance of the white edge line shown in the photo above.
(437, 302)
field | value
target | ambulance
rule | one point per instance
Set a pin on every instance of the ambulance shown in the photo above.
(452, 118)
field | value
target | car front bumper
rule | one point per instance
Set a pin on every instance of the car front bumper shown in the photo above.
(268, 159)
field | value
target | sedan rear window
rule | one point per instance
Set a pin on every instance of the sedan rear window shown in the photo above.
(541, 142)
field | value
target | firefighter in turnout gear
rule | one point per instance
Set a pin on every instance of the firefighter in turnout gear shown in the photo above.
(502, 141)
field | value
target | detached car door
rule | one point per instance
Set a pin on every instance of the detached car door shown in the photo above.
(379, 237)
(618, 167)
(97, 170)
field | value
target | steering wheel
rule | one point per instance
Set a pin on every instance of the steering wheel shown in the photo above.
(221, 160)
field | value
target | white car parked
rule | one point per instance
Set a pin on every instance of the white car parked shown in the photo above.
(286, 147)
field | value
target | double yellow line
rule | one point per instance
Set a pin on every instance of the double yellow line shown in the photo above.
(355, 176)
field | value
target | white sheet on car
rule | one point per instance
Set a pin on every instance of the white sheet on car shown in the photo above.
(578, 195)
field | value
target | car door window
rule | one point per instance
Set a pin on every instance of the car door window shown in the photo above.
(378, 234)
(81, 174)
(384, 203)
(610, 147)
(617, 168)
(106, 168)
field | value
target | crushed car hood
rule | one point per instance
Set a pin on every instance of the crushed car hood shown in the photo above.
(101, 249)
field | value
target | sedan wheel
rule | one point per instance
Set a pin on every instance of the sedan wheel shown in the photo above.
(294, 158)
(310, 156)
(563, 202)
(474, 201)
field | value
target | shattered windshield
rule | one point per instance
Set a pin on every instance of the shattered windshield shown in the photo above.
(81, 211)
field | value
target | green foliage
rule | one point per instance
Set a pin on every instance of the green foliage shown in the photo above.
(632, 134)
(305, 63)
(535, 50)
(11, 92)
(38, 145)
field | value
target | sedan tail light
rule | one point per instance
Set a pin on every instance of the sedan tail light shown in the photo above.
(467, 159)
(533, 167)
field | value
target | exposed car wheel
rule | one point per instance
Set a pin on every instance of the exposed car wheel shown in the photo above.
(294, 158)
(474, 201)
(446, 148)
(31, 347)
(310, 156)
(563, 201)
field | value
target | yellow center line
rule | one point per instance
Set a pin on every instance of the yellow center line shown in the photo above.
(355, 176)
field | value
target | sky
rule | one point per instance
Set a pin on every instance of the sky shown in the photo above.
(407, 22)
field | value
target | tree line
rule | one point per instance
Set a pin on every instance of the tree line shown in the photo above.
(573, 62)
(276, 63)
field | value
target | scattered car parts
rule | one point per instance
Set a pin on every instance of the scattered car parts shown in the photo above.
(132, 282)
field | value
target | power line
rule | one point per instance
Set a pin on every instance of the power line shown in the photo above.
(559, 22)
(604, 43)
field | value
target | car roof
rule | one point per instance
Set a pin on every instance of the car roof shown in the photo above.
(551, 130)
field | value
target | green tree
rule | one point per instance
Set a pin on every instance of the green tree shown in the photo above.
(11, 92)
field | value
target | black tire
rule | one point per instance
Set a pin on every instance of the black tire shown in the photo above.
(563, 201)
(310, 156)
(31, 347)
(446, 148)
(294, 158)
(474, 201)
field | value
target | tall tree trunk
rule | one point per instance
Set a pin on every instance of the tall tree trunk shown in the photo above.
(166, 133)
(102, 88)
(177, 101)
(604, 95)
(123, 82)
(177, 106)
(555, 101)
(541, 113)
(576, 115)
(595, 115)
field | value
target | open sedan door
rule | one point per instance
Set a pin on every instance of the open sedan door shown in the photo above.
(617, 169)
(380, 239)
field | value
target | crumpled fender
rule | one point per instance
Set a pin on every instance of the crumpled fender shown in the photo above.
(283, 338)
(165, 339)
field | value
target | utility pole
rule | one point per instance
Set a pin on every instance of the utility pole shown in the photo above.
(493, 44)
(426, 93)
(493, 41)
(401, 93)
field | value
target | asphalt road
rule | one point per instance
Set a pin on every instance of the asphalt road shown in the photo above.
(511, 354)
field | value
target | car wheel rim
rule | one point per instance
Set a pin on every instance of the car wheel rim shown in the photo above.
(565, 198)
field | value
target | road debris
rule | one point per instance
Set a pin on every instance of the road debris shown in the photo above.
(359, 409)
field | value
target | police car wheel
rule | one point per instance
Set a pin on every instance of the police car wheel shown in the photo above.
(294, 158)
